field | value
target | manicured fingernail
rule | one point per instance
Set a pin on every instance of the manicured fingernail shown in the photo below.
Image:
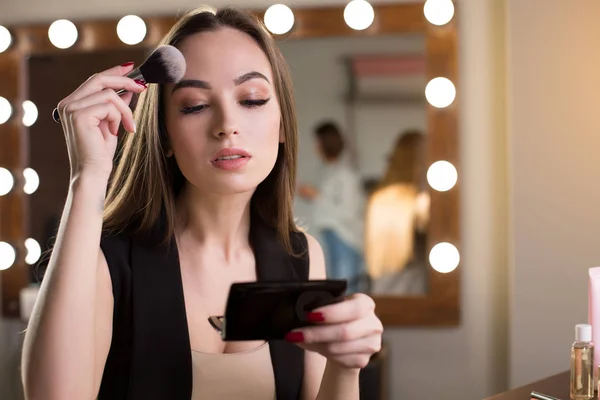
(141, 83)
(127, 64)
(134, 128)
(295, 337)
(316, 317)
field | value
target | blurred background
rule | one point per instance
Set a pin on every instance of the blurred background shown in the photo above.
(520, 130)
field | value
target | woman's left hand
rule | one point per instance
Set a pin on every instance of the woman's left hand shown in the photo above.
(348, 333)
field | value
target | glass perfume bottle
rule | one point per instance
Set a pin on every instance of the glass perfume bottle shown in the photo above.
(582, 364)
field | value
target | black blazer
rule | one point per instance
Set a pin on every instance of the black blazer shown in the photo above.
(150, 356)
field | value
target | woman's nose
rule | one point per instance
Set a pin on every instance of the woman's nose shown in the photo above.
(225, 124)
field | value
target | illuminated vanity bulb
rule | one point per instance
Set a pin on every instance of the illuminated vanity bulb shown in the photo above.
(6, 181)
(62, 33)
(444, 257)
(30, 113)
(438, 12)
(5, 39)
(7, 256)
(279, 19)
(131, 29)
(5, 110)
(32, 181)
(359, 14)
(34, 251)
(440, 92)
(442, 176)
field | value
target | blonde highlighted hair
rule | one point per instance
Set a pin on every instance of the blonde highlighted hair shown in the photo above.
(396, 209)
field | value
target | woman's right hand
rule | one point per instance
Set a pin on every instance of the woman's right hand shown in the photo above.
(91, 116)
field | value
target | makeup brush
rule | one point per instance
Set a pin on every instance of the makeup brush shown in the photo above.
(166, 64)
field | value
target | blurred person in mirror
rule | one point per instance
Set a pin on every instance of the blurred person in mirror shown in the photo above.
(396, 221)
(201, 198)
(338, 208)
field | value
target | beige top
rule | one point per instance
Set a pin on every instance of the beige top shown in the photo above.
(247, 375)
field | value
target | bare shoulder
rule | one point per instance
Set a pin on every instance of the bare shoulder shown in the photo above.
(317, 259)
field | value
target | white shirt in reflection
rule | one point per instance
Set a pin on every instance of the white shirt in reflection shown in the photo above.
(340, 204)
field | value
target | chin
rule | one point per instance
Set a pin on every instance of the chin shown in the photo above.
(230, 184)
(231, 188)
(215, 181)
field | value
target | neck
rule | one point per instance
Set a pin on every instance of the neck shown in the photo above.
(218, 222)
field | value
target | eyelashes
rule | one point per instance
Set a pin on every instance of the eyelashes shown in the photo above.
(245, 103)
(193, 110)
(254, 103)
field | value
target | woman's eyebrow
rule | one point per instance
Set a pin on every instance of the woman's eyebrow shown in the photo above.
(193, 83)
(200, 84)
(250, 75)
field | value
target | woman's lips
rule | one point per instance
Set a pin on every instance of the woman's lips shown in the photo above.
(231, 159)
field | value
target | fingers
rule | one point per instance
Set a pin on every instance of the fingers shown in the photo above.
(356, 306)
(95, 115)
(106, 96)
(98, 83)
(119, 70)
(126, 97)
(347, 360)
(366, 345)
(342, 332)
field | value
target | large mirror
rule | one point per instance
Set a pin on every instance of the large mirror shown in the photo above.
(363, 126)
(368, 137)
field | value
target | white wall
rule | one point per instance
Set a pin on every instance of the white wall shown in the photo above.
(468, 362)
(554, 127)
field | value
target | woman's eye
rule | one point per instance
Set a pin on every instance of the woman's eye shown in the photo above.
(194, 109)
(254, 103)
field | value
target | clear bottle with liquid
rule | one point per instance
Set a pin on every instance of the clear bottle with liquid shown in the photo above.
(582, 364)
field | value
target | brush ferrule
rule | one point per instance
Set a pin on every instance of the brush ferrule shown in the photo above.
(136, 75)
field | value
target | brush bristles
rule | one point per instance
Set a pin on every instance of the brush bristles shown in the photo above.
(165, 65)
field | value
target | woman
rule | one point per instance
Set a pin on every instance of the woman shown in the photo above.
(338, 208)
(395, 246)
(201, 198)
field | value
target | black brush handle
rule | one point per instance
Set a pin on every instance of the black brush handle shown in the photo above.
(135, 75)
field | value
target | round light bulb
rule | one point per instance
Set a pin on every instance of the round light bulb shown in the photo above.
(131, 29)
(62, 33)
(8, 256)
(32, 180)
(444, 257)
(6, 181)
(5, 110)
(5, 39)
(279, 19)
(30, 113)
(438, 12)
(359, 14)
(34, 251)
(440, 92)
(442, 176)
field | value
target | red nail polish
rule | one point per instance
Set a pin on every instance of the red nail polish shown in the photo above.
(295, 337)
(316, 317)
(141, 83)
(127, 64)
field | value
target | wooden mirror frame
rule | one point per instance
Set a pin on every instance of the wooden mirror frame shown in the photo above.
(441, 305)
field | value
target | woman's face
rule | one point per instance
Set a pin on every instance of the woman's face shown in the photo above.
(223, 118)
